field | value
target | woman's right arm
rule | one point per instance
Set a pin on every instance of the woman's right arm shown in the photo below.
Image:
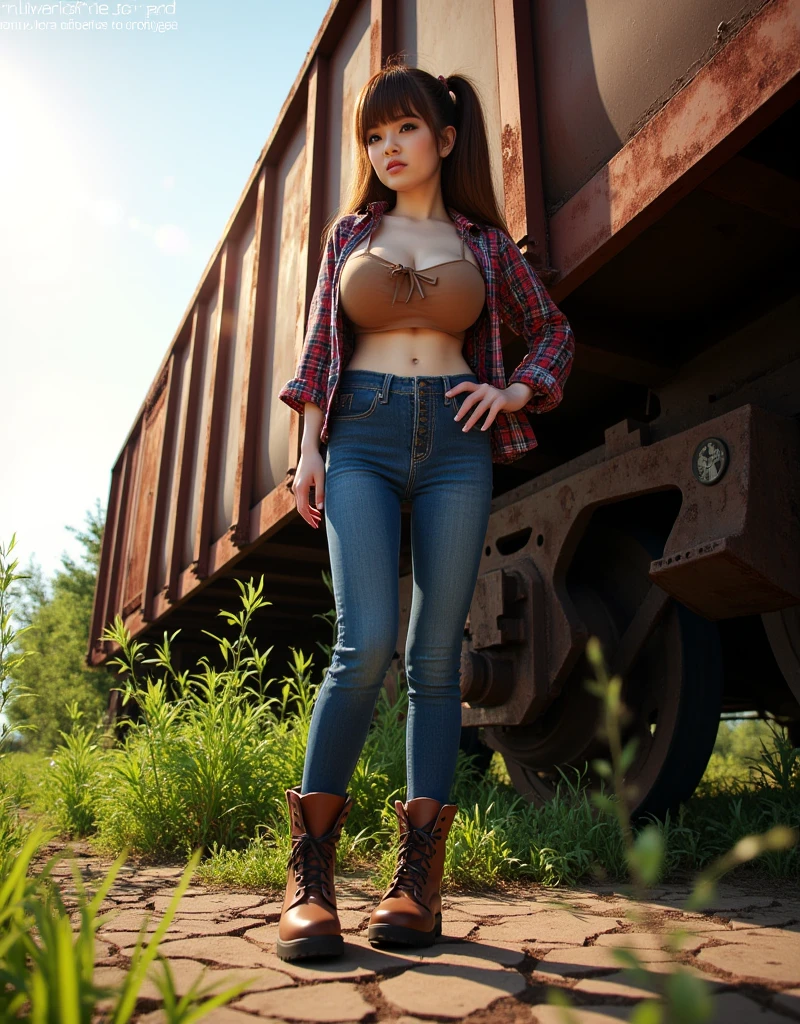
(311, 467)
(306, 392)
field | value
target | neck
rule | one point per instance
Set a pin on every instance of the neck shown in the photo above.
(422, 203)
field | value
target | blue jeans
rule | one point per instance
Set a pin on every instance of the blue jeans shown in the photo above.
(392, 439)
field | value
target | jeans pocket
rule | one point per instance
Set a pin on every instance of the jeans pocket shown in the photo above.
(354, 403)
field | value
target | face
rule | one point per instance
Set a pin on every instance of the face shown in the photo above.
(411, 145)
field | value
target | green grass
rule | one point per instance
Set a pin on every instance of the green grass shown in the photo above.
(733, 766)
(206, 760)
(47, 956)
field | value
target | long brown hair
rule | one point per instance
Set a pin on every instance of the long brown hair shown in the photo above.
(398, 90)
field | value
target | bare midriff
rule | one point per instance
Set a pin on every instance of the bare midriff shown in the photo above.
(409, 352)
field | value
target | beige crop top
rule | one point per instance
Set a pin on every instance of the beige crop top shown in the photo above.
(449, 300)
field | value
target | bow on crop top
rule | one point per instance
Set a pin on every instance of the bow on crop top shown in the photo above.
(450, 300)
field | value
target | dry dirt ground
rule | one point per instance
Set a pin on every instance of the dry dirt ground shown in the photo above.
(497, 958)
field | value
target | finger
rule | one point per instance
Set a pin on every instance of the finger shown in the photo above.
(479, 411)
(314, 513)
(465, 385)
(490, 417)
(303, 507)
(474, 396)
(466, 407)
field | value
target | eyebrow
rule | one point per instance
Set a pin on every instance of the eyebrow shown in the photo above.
(403, 117)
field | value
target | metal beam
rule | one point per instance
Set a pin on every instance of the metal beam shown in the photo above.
(313, 212)
(100, 604)
(158, 518)
(519, 113)
(183, 462)
(208, 462)
(253, 357)
(742, 89)
(382, 32)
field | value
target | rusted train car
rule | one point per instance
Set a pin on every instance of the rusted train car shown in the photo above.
(644, 154)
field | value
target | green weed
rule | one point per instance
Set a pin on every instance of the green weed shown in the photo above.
(208, 754)
(75, 777)
(681, 996)
(47, 967)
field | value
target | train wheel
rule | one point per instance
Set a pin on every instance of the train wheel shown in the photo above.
(671, 665)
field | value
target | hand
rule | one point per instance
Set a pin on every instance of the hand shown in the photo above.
(490, 400)
(310, 472)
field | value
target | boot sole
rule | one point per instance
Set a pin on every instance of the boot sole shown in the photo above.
(314, 945)
(396, 935)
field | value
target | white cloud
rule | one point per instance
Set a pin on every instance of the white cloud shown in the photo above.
(170, 238)
(168, 182)
(140, 228)
(108, 212)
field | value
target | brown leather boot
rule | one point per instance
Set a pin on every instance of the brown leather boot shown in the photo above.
(309, 924)
(410, 912)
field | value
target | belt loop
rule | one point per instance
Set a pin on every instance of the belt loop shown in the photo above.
(384, 391)
(446, 380)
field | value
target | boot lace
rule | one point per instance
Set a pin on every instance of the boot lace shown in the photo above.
(311, 858)
(417, 847)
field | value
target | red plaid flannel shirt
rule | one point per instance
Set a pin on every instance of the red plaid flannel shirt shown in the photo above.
(514, 294)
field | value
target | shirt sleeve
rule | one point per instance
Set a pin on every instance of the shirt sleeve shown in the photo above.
(529, 311)
(310, 383)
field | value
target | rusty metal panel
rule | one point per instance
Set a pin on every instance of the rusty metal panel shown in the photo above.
(349, 69)
(252, 363)
(604, 69)
(144, 498)
(233, 393)
(171, 451)
(285, 317)
(741, 89)
(100, 601)
(200, 427)
(519, 132)
(722, 572)
(121, 559)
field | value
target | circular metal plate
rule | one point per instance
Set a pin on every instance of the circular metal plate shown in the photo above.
(710, 460)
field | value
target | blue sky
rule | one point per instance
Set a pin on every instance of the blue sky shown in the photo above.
(122, 154)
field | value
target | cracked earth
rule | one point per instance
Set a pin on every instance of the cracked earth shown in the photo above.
(497, 958)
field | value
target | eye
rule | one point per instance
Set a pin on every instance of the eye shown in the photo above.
(406, 124)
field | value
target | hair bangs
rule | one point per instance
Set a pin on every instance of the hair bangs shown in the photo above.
(391, 97)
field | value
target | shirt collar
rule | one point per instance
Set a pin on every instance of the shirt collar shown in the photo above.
(379, 206)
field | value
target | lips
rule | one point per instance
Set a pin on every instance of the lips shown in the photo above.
(394, 163)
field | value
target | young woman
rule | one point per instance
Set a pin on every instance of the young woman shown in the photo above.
(401, 375)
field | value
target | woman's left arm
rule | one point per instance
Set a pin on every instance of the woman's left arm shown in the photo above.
(529, 311)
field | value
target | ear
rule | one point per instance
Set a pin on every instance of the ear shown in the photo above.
(448, 141)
